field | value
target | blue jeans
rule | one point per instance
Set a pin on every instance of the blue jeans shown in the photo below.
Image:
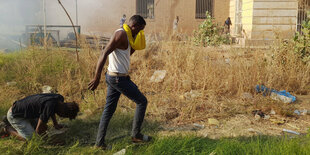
(116, 86)
(25, 127)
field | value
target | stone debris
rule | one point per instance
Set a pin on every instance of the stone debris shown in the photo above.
(267, 117)
(47, 89)
(272, 112)
(227, 61)
(121, 152)
(158, 76)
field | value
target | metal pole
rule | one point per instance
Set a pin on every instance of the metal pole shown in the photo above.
(44, 18)
(76, 11)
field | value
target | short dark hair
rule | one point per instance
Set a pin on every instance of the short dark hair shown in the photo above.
(137, 19)
(69, 110)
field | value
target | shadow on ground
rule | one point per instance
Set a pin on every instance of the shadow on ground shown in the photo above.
(119, 129)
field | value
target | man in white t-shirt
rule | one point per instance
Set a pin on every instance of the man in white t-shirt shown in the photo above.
(118, 50)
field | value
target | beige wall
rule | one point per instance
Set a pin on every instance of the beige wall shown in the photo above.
(265, 19)
(274, 17)
(165, 12)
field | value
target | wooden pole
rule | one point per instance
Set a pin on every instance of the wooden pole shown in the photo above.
(76, 44)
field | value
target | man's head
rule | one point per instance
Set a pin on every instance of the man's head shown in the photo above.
(124, 16)
(177, 18)
(67, 110)
(136, 24)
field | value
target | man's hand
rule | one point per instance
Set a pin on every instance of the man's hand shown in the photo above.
(41, 127)
(58, 126)
(93, 84)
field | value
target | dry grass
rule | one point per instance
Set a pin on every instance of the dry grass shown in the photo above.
(219, 74)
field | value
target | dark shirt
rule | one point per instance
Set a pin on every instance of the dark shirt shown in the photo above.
(37, 106)
(228, 22)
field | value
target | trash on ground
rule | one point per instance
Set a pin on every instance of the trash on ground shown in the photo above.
(47, 89)
(282, 95)
(297, 112)
(304, 112)
(272, 112)
(291, 131)
(278, 122)
(257, 117)
(121, 152)
(11, 83)
(267, 117)
(259, 113)
(158, 76)
(213, 121)
(199, 125)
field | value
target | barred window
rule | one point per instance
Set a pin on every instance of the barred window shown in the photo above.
(202, 6)
(303, 7)
(145, 8)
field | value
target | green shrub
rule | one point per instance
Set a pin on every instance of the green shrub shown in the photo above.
(210, 34)
(302, 41)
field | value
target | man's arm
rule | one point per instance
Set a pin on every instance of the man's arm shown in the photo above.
(114, 43)
(41, 127)
(56, 125)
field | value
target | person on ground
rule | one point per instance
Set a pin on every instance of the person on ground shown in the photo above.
(31, 114)
(119, 49)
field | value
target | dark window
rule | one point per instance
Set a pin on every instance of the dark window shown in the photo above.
(202, 6)
(145, 8)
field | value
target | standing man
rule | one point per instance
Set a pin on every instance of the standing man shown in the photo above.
(118, 50)
(175, 23)
(123, 19)
(227, 24)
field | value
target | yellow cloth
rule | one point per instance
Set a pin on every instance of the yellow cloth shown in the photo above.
(137, 43)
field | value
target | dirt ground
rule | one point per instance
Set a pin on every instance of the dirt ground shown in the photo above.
(246, 124)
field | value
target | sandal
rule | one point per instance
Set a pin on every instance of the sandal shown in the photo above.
(140, 138)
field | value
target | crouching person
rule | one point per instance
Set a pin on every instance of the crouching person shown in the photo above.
(31, 114)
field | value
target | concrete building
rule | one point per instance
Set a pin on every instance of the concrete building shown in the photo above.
(261, 21)
(253, 21)
(160, 14)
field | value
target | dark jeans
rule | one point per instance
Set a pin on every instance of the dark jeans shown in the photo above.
(117, 86)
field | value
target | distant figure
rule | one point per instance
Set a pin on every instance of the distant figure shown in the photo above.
(227, 24)
(123, 19)
(175, 23)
